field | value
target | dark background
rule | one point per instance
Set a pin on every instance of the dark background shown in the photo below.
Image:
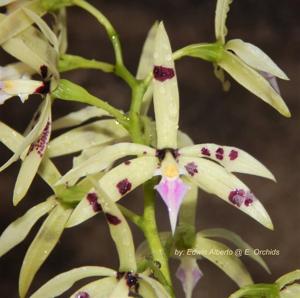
(236, 118)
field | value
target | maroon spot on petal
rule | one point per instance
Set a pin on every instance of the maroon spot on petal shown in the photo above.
(191, 168)
(124, 186)
(112, 219)
(205, 151)
(220, 153)
(127, 162)
(162, 73)
(160, 154)
(233, 154)
(93, 201)
(145, 152)
(82, 295)
(44, 88)
(248, 202)
(237, 197)
(44, 71)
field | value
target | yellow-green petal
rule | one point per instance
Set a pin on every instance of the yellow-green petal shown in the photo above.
(253, 81)
(121, 290)
(255, 57)
(237, 241)
(292, 291)
(64, 281)
(105, 158)
(159, 290)
(78, 117)
(232, 159)
(93, 134)
(220, 255)
(100, 288)
(165, 92)
(42, 245)
(221, 13)
(16, 232)
(214, 179)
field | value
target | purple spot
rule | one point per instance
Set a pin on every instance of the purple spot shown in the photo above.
(240, 196)
(233, 155)
(44, 88)
(272, 80)
(93, 200)
(41, 143)
(191, 168)
(161, 153)
(124, 186)
(44, 71)
(127, 162)
(112, 219)
(82, 295)
(131, 279)
(145, 152)
(162, 73)
(220, 153)
(205, 151)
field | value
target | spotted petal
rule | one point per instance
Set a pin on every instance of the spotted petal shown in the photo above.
(93, 134)
(16, 232)
(231, 158)
(31, 163)
(253, 81)
(255, 57)
(165, 91)
(33, 135)
(222, 10)
(104, 158)
(214, 179)
(42, 245)
(64, 281)
(172, 193)
(78, 117)
(189, 274)
(229, 263)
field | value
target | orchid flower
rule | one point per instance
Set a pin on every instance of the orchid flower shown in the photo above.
(208, 166)
(248, 64)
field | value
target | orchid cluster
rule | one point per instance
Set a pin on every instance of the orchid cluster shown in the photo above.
(117, 151)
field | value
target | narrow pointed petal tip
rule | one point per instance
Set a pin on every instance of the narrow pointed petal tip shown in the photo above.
(172, 193)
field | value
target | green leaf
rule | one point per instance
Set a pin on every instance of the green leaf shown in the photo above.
(223, 257)
(42, 245)
(64, 281)
(16, 232)
(237, 241)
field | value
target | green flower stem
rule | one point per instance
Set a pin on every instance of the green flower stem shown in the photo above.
(211, 52)
(133, 217)
(67, 90)
(151, 233)
(70, 62)
(110, 30)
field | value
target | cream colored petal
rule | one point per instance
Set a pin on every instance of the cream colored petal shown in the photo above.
(33, 135)
(121, 290)
(104, 158)
(78, 117)
(221, 13)
(42, 245)
(14, 71)
(93, 134)
(155, 285)
(292, 291)
(16, 232)
(13, 140)
(145, 290)
(22, 86)
(165, 92)
(101, 288)
(31, 163)
(45, 29)
(231, 158)
(64, 281)
(220, 255)
(253, 81)
(6, 2)
(18, 21)
(288, 278)
(214, 179)
(255, 57)
(237, 241)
